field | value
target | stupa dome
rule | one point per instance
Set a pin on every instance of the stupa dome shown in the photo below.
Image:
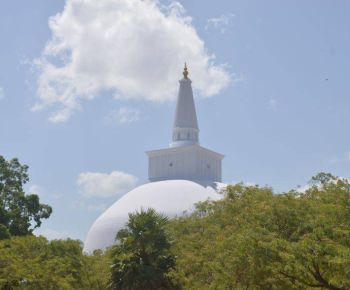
(170, 197)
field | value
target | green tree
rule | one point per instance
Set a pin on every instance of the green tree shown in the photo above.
(255, 239)
(97, 270)
(318, 253)
(4, 232)
(20, 214)
(34, 263)
(141, 256)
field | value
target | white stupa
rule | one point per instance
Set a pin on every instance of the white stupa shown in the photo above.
(180, 176)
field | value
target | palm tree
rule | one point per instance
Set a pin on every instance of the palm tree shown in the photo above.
(141, 257)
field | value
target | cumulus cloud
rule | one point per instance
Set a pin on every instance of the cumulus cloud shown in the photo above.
(221, 23)
(2, 93)
(130, 48)
(125, 115)
(96, 184)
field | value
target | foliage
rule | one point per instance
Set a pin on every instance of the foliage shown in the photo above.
(255, 239)
(142, 257)
(4, 232)
(20, 214)
(33, 263)
(250, 239)
(97, 270)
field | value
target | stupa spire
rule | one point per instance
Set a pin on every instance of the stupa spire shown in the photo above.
(185, 129)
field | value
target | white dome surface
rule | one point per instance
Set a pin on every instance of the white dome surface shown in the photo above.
(169, 197)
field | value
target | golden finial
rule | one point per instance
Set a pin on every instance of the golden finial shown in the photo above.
(185, 73)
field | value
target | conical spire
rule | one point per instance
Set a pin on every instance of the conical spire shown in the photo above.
(185, 130)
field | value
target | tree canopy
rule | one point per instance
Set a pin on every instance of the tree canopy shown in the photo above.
(255, 239)
(20, 214)
(34, 263)
(251, 239)
(142, 258)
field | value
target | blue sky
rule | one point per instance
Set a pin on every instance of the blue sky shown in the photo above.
(275, 100)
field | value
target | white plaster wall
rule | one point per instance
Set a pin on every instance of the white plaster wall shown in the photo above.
(192, 162)
(208, 166)
(173, 165)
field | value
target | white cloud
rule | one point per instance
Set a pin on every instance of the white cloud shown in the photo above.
(95, 184)
(125, 115)
(222, 23)
(132, 48)
(2, 93)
